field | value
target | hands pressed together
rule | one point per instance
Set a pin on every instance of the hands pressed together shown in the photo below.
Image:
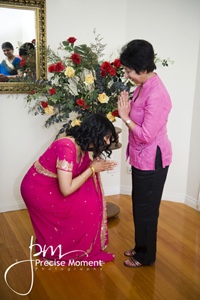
(100, 164)
(124, 105)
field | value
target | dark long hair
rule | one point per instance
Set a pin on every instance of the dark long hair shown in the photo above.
(138, 55)
(26, 49)
(92, 131)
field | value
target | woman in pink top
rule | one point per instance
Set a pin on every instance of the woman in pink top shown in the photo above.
(149, 149)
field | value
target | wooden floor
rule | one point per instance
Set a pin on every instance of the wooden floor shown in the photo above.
(175, 276)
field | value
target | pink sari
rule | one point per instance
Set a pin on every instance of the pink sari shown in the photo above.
(76, 225)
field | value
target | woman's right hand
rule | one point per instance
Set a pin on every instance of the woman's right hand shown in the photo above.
(68, 185)
(3, 78)
(124, 105)
(100, 165)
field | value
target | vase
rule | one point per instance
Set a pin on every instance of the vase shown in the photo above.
(116, 145)
(113, 209)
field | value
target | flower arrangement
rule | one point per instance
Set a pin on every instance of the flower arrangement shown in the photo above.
(80, 84)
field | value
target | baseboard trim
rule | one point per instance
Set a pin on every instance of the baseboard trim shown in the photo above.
(109, 192)
(166, 196)
(191, 202)
(126, 190)
(4, 207)
(12, 206)
(115, 190)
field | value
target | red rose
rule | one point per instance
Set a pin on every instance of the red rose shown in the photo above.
(103, 73)
(71, 40)
(105, 66)
(32, 92)
(44, 104)
(22, 63)
(52, 91)
(86, 106)
(117, 63)
(51, 68)
(112, 72)
(80, 102)
(115, 113)
(59, 67)
(76, 58)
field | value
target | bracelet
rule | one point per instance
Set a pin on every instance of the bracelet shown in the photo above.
(94, 178)
(127, 122)
(93, 171)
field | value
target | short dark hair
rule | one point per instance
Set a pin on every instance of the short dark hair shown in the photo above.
(26, 48)
(138, 55)
(92, 130)
(7, 45)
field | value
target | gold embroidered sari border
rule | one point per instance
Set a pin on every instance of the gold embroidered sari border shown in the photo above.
(104, 225)
(41, 170)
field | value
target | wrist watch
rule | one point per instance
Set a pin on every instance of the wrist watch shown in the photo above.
(128, 121)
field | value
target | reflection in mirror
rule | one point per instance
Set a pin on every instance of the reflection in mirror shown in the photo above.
(23, 31)
(26, 32)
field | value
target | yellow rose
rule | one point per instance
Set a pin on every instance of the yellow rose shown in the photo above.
(49, 110)
(110, 117)
(103, 98)
(69, 72)
(75, 122)
(89, 79)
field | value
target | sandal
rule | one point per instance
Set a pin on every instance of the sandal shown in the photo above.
(132, 262)
(130, 252)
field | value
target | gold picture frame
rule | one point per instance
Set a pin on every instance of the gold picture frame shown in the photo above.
(39, 8)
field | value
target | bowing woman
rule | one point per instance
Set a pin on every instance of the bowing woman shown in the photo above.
(63, 193)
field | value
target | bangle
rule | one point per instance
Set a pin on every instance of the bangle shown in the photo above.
(93, 170)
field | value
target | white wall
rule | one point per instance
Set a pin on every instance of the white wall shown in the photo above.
(193, 182)
(173, 28)
(22, 140)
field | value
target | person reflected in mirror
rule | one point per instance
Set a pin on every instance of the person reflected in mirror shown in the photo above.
(149, 148)
(27, 54)
(10, 65)
(63, 193)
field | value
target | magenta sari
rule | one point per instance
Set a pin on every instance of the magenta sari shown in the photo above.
(76, 223)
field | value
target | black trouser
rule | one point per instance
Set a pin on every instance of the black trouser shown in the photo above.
(146, 196)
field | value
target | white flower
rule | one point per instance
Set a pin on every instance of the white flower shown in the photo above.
(73, 115)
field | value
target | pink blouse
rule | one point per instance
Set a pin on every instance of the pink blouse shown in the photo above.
(150, 114)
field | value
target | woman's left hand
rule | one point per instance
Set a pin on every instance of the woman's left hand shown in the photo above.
(124, 105)
(99, 164)
(3, 78)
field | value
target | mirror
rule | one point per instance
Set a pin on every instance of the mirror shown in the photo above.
(32, 13)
